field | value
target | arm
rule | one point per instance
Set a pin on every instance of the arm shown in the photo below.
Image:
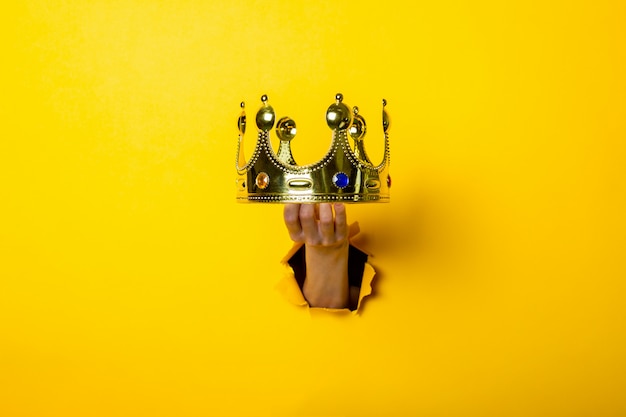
(323, 230)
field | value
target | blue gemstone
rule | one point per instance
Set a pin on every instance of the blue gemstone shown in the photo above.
(341, 180)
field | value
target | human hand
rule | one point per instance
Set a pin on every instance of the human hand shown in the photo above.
(323, 230)
(322, 224)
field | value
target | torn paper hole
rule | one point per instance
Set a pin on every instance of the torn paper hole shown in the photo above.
(360, 275)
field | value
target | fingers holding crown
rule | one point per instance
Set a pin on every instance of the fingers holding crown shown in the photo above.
(321, 224)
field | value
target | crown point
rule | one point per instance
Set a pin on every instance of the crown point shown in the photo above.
(355, 110)
(339, 97)
(338, 116)
(358, 127)
(265, 116)
(241, 122)
(385, 118)
(286, 129)
(243, 104)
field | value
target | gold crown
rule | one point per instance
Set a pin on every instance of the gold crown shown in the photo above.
(344, 174)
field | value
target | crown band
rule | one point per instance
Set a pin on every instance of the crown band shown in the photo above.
(344, 174)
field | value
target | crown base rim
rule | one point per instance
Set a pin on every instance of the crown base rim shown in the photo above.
(322, 198)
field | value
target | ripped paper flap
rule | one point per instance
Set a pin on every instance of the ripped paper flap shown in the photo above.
(289, 289)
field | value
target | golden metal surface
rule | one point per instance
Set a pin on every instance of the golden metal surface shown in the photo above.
(344, 174)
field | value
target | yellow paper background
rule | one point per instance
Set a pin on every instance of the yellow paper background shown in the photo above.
(131, 284)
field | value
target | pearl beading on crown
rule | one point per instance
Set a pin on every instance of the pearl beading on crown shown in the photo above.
(344, 174)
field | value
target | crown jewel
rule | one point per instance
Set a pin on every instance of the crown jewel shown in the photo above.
(344, 174)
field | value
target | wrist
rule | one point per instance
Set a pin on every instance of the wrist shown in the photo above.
(335, 248)
(326, 281)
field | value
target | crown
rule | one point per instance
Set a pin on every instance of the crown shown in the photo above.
(344, 174)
